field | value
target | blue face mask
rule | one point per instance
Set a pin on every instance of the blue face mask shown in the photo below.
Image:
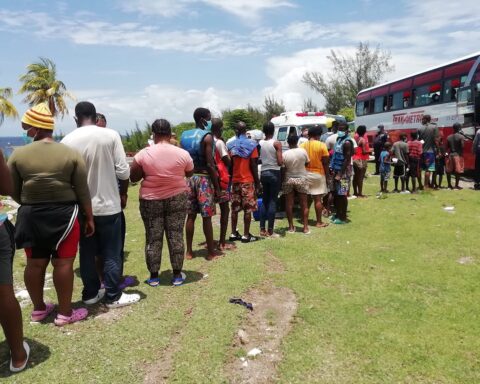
(208, 126)
(342, 134)
(27, 139)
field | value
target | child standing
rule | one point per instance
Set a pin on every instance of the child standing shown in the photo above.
(385, 166)
(415, 151)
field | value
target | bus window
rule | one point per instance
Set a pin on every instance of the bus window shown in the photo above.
(397, 101)
(406, 99)
(282, 134)
(380, 104)
(363, 107)
(450, 88)
(426, 94)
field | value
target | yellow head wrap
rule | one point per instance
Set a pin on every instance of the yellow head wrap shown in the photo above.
(39, 116)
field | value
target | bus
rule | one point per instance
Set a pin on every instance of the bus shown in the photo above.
(449, 93)
(292, 123)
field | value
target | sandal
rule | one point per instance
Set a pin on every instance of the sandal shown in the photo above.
(128, 281)
(77, 315)
(38, 316)
(249, 239)
(177, 281)
(23, 366)
(153, 281)
(235, 236)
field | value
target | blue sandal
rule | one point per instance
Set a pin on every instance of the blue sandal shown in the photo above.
(177, 281)
(153, 281)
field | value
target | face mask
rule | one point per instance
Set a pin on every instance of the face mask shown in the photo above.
(27, 139)
(341, 133)
(208, 125)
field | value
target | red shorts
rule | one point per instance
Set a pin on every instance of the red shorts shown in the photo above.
(67, 249)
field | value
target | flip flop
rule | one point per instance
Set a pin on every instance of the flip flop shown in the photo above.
(177, 281)
(23, 366)
(153, 282)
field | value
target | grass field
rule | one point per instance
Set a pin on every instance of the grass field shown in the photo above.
(392, 297)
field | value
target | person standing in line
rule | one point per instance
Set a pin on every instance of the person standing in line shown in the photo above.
(317, 170)
(331, 139)
(400, 152)
(163, 200)
(430, 135)
(341, 166)
(126, 281)
(204, 185)
(476, 153)
(246, 184)
(50, 184)
(270, 178)
(378, 143)
(107, 169)
(222, 160)
(385, 166)
(10, 312)
(454, 160)
(414, 160)
(296, 182)
(360, 161)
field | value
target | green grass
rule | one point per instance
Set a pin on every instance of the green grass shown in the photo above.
(381, 300)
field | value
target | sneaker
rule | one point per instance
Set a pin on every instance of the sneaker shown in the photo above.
(38, 316)
(124, 300)
(23, 366)
(235, 236)
(77, 315)
(96, 299)
(248, 239)
(338, 221)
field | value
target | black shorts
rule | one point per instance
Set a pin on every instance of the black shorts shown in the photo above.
(414, 166)
(399, 170)
(7, 250)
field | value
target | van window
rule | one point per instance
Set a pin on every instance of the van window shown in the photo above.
(282, 134)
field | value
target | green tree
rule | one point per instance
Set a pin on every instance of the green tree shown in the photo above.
(231, 118)
(309, 105)
(137, 139)
(7, 109)
(272, 107)
(350, 74)
(40, 84)
(348, 112)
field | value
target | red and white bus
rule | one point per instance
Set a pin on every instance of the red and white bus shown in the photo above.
(449, 93)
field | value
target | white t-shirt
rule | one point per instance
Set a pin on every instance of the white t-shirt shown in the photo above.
(294, 160)
(331, 140)
(221, 148)
(103, 152)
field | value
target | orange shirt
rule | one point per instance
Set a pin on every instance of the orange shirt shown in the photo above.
(315, 150)
(241, 168)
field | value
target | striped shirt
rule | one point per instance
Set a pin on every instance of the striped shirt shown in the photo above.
(415, 149)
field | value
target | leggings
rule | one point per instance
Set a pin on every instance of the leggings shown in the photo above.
(167, 216)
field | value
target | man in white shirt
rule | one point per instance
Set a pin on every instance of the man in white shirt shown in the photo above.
(107, 168)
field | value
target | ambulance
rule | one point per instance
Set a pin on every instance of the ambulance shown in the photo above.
(292, 123)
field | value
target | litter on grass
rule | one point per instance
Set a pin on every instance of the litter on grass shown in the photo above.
(254, 352)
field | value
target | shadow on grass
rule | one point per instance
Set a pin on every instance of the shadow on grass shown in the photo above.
(38, 354)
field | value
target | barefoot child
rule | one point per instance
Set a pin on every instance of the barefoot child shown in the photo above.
(385, 166)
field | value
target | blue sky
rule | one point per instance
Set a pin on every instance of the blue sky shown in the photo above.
(138, 60)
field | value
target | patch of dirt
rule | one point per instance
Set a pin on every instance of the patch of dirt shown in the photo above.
(264, 328)
(159, 371)
(274, 265)
(466, 260)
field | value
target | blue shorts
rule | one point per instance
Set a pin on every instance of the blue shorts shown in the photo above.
(342, 186)
(428, 161)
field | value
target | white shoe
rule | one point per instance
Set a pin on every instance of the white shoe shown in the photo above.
(20, 369)
(125, 299)
(96, 299)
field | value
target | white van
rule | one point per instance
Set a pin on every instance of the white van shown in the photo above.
(289, 123)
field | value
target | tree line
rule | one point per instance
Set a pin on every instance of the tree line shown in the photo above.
(350, 73)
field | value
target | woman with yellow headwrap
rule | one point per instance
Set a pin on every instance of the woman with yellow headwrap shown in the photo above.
(50, 183)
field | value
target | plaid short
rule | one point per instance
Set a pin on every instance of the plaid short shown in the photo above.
(296, 184)
(201, 196)
(244, 197)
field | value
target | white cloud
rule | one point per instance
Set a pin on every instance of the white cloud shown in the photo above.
(245, 9)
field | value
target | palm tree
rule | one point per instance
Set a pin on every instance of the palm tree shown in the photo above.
(7, 109)
(41, 85)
